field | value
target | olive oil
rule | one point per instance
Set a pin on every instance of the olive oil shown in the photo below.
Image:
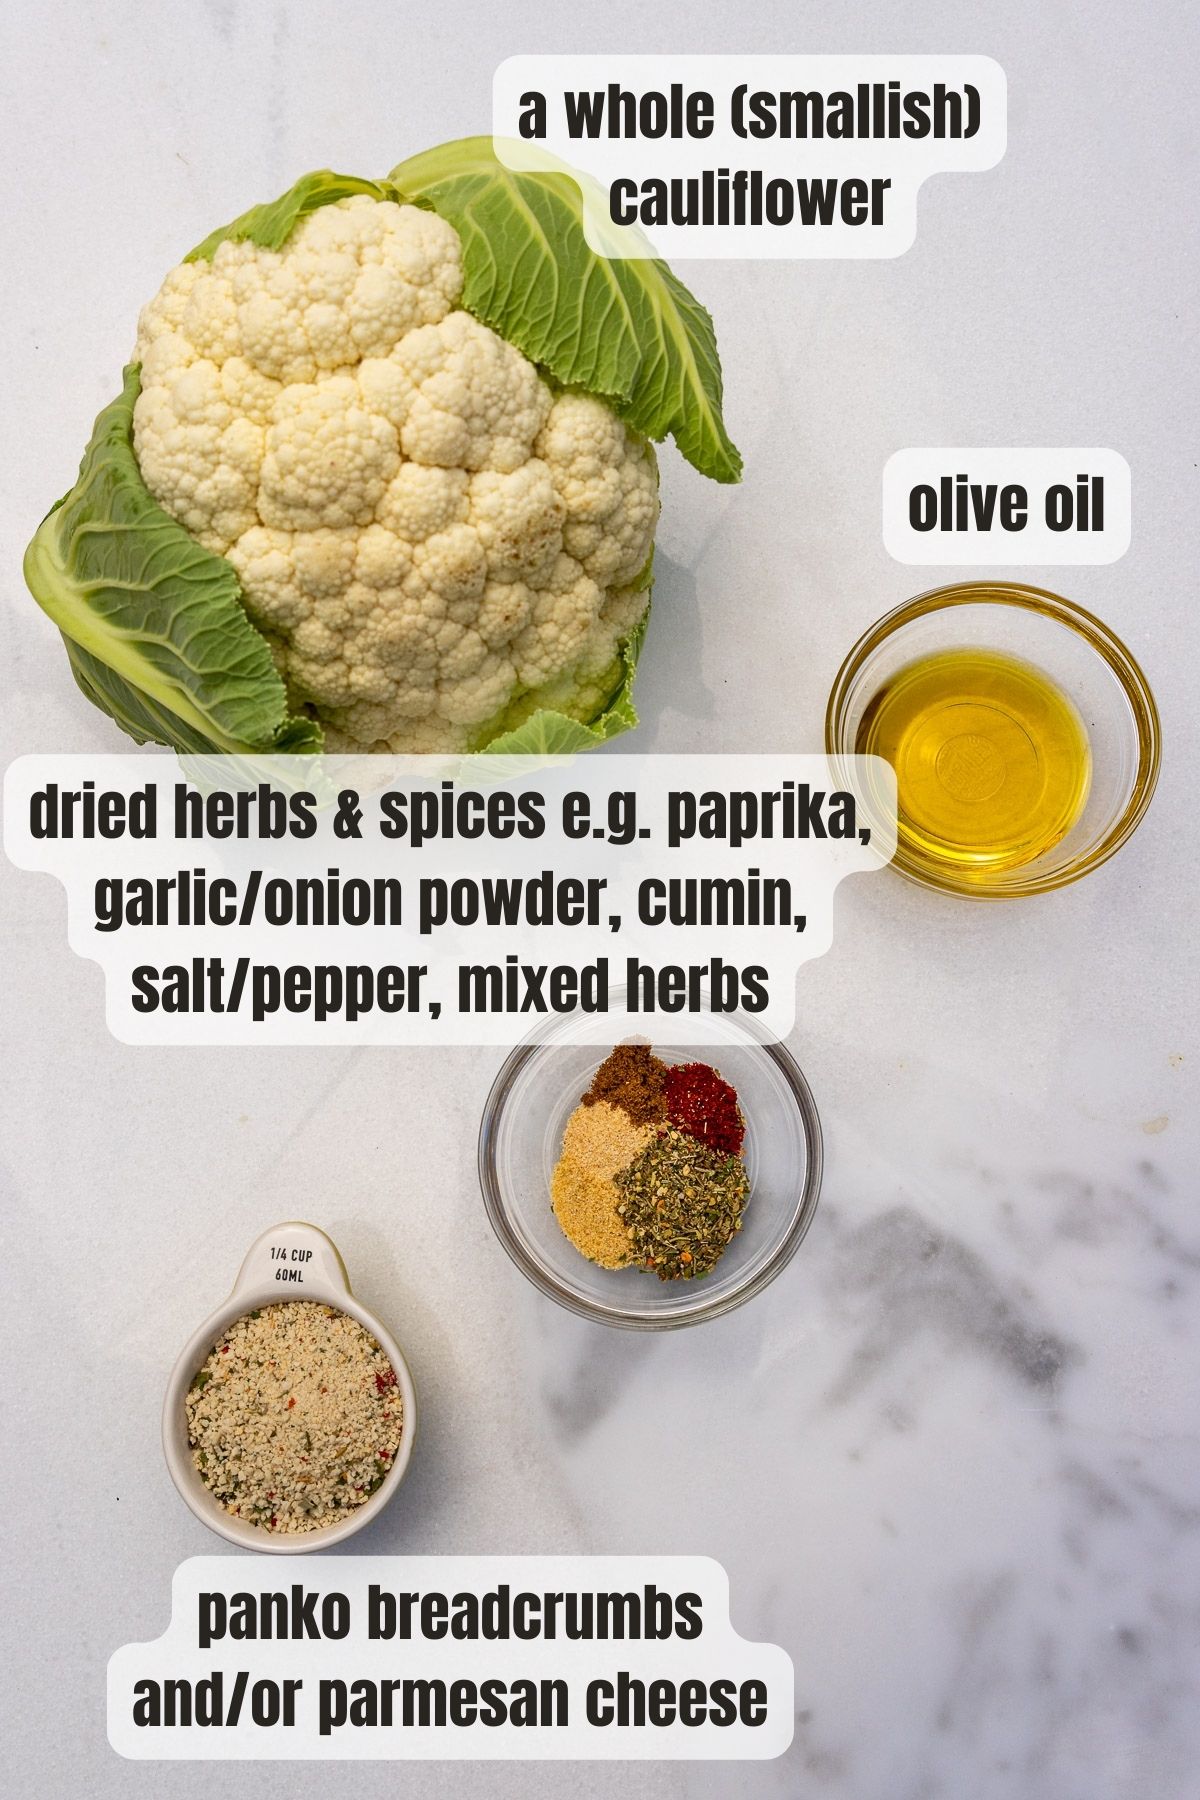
(992, 760)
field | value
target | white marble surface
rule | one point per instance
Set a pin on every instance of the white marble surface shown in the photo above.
(951, 1459)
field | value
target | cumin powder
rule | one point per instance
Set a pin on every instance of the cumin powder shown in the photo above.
(634, 1079)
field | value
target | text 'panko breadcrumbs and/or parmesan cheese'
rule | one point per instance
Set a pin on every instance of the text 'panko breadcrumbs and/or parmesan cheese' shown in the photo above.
(295, 1418)
(651, 1172)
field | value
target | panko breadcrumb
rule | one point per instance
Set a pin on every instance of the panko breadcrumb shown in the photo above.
(296, 1416)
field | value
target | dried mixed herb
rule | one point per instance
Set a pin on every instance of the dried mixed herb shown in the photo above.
(681, 1204)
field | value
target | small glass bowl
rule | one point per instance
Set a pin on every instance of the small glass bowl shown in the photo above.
(520, 1136)
(1080, 654)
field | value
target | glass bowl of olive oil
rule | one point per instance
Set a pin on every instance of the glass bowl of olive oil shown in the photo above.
(1024, 736)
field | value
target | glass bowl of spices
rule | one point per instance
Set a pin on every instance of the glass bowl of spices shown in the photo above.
(1024, 736)
(650, 1186)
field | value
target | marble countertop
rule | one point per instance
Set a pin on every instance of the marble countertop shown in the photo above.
(951, 1460)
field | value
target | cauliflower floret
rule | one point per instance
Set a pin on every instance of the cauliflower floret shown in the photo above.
(250, 394)
(426, 536)
(476, 403)
(561, 617)
(163, 357)
(584, 444)
(519, 519)
(503, 611)
(327, 458)
(210, 317)
(482, 696)
(267, 572)
(452, 563)
(191, 443)
(272, 328)
(420, 501)
(382, 558)
(164, 314)
(608, 482)
(324, 561)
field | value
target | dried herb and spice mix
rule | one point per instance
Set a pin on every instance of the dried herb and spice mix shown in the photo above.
(295, 1417)
(651, 1174)
(681, 1203)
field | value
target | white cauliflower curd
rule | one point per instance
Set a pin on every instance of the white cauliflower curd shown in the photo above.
(430, 538)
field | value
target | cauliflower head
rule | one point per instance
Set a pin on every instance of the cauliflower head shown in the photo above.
(379, 475)
(432, 540)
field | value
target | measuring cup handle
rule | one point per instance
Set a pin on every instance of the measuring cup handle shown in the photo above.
(305, 1251)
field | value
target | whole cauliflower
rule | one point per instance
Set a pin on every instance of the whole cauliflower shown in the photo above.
(379, 475)
(430, 538)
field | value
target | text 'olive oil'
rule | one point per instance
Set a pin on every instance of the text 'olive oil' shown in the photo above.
(992, 760)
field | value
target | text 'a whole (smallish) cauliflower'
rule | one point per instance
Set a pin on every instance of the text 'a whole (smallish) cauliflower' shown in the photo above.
(373, 485)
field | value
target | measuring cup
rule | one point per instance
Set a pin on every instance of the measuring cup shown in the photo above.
(292, 1261)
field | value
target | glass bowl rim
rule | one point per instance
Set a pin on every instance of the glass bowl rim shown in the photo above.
(1099, 637)
(624, 1317)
